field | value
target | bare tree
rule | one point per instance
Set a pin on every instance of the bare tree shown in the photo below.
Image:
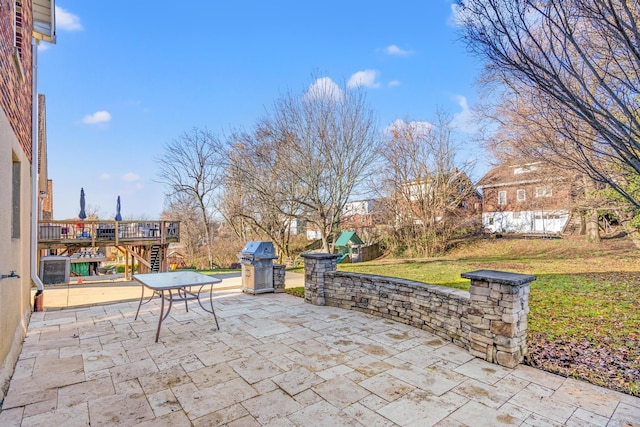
(428, 190)
(581, 60)
(183, 208)
(325, 140)
(526, 132)
(258, 197)
(192, 165)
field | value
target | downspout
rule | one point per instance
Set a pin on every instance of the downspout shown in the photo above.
(35, 156)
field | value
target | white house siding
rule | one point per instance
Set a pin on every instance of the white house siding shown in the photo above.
(525, 221)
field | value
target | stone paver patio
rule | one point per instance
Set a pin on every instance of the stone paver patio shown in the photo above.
(277, 361)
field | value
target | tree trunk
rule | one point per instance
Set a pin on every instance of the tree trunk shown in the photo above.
(593, 229)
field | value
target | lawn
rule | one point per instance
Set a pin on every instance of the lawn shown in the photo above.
(585, 305)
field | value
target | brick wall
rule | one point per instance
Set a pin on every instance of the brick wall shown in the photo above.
(15, 89)
(559, 199)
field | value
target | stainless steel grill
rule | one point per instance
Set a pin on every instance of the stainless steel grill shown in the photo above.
(256, 259)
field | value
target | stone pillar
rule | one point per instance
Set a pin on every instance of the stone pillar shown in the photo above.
(315, 266)
(498, 316)
(278, 277)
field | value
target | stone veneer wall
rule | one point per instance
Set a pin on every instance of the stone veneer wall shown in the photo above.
(489, 321)
(278, 277)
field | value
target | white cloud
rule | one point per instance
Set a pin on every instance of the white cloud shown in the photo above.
(415, 126)
(67, 21)
(43, 46)
(104, 177)
(324, 88)
(465, 120)
(396, 51)
(130, 177)
(365, 78)
(394, 83)
(458, 15)
(97, 117)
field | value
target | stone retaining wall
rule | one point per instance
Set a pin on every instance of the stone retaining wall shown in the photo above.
(489, 321)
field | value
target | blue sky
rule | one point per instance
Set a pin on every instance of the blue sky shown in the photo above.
(127, 77)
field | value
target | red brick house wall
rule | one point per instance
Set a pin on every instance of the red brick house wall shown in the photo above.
(15, 89)
(560, 197)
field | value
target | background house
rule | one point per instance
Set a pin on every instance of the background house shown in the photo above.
(525, 198)
(20, 23)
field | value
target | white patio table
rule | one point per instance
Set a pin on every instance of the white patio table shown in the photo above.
(178, 286)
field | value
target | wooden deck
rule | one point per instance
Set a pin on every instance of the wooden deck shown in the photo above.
(101, 233)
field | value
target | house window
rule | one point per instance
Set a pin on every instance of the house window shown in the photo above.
(517, 215)
(491, 221)
(502, 198)
(543, 192)
(521, 195)
(18, 27)
(15, 200)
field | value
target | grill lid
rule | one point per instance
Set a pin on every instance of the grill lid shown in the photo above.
(258, 250)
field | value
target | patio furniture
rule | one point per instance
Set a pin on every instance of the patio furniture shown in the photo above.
(178, 286)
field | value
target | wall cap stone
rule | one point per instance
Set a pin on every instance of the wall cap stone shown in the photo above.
(502, 277)
(317, 255)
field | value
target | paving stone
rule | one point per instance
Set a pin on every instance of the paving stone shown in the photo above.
(335, 371)
(539, 377)
(247, 421)
(453, 354)
(587, 396)
(300, 365)
(478, 415)
(425, 380)
(368, 365)
(255, 369)
(197, 403)
(420, 408)
(366, 416)
(40, 407)
(137, 369)
(120, 410)
(11, 417)
(418, 356)
(75, 394)
(486, 394)
(585, 418)
(483, 371)
(322, 414)
(74, 416)
(296, 380)
(163, 380)
(340, 391)
(387, 386)
(307, 397)
(537, 400)
(163, 402)
(211, 375)
(174, 419)
(222, 416)
(626, 415)
(271, 405)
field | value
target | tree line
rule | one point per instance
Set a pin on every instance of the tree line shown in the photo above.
(562, 84)
(309, 155)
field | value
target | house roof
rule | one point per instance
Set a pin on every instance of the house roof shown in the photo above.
(348, 237)
(511, 174)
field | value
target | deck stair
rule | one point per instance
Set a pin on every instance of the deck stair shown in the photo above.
(155, 257)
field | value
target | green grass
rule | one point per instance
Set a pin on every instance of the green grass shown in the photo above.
(218, 271)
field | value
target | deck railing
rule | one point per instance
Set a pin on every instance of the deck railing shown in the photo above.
(105, 232)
